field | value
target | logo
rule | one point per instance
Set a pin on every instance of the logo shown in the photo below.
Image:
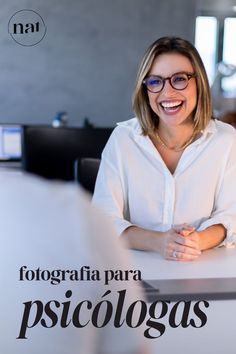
(27, 28)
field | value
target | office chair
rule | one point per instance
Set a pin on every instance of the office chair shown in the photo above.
(86, 170)
(51, 152)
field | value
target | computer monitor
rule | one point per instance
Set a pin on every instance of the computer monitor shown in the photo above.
(10, 142)
(51, 152)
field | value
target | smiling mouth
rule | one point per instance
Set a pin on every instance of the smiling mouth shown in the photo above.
(171, 106)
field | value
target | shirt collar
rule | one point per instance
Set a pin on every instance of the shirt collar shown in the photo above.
(132, 124)
(211, 127)
(209, 130)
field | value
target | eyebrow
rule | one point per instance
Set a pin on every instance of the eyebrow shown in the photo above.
(176, 73)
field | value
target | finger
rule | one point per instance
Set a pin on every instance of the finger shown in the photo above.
(186, 250)
(194, 237)
(185, 226)
(187, 232)
(187, 241)
(188, 227)
(183, 257)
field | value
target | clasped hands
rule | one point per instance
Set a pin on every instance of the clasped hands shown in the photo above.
(181, 244)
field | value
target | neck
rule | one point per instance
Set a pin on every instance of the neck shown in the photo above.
(175, 138)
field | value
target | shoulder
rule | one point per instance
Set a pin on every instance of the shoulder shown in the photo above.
(224, 133)
(126, 128)
(224, 140)
(124, 135)
(32, 199)
(56, 213)
(28, 194)
(224, 129)
(129, 129)
(131, 125)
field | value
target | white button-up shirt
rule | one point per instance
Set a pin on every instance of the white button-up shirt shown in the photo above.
(135, 187)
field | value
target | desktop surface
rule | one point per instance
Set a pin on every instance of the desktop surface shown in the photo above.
(217, 335)
(215, 263)
(211, 277)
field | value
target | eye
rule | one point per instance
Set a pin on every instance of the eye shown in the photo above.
(179, 78)
(154, 81)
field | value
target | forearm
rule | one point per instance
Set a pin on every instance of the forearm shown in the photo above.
(170, 244)
(211, 237)
(142, 239)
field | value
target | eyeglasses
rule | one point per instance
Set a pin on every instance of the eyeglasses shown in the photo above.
(179, 81)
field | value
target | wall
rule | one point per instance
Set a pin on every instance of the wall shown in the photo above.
(215, 5)
(87, 62)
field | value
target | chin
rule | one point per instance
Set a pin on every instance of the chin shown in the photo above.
(177, 121)
(173, 121)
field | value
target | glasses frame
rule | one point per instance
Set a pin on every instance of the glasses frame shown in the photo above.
(188, 75)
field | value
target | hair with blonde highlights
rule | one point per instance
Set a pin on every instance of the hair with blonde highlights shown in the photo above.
(203, 110)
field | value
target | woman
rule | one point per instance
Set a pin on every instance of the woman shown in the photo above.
(167, 178)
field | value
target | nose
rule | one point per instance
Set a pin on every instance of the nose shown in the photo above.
(167, 86)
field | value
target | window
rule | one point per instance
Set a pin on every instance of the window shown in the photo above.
(205, 42)
(229, 56)
(215, 41)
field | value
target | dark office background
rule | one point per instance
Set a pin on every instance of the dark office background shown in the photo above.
(87, 62)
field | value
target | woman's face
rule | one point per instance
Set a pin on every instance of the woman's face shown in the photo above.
(173, 107)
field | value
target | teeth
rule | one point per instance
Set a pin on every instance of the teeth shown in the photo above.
(170, 104)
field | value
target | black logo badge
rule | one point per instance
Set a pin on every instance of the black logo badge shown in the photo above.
(27, 28)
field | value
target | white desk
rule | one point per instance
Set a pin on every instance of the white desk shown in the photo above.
(218, 336)
(215, 263)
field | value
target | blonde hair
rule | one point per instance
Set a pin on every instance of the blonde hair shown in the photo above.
(203, 112)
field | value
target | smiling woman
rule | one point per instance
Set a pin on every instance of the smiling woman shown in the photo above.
(166, 176)
(178, 81)
(174, 101)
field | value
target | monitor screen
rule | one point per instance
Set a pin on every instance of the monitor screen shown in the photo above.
(51, 152)
(10, 142)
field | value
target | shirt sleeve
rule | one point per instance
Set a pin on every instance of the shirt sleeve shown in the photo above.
(110, 194)
(224, 211)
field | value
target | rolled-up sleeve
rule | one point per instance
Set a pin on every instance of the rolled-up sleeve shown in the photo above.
(224, 211)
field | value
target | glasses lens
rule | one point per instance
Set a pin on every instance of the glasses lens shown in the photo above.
(179, 81)
(154, 83)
